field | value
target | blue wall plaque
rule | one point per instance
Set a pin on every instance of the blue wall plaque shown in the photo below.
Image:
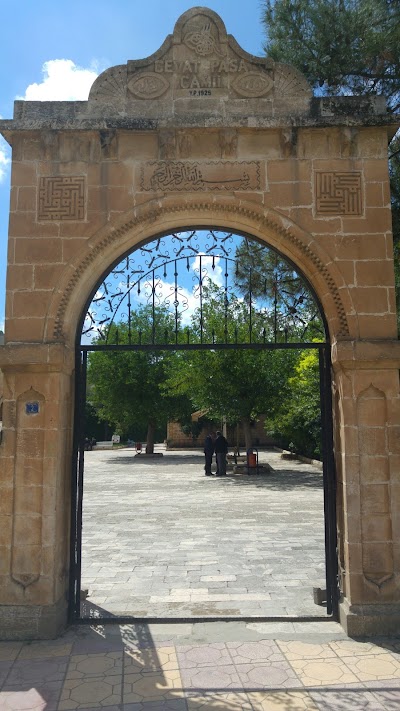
(32, 408)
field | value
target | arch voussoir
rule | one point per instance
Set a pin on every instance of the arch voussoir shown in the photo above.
(160, 215)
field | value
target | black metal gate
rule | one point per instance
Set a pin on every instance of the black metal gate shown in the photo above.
(278, 308)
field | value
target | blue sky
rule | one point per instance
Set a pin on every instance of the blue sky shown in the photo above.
(92, 35)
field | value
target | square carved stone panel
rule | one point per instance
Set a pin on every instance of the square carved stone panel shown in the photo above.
(338, 193)
(61, 198)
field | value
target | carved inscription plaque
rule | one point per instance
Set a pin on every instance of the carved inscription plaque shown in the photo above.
(338, 193)
(201, 63)
(203, 66)
(207, 175)
(61, 198)
(211, 77)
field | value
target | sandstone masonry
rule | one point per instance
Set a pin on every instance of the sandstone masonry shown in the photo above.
(199, 134)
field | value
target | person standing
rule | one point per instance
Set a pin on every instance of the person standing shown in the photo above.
(208, 453)
(221, 450)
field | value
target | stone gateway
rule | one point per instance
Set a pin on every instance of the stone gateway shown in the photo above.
(200, 134)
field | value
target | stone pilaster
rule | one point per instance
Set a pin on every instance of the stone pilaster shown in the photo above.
(35, 460)
(368, 457)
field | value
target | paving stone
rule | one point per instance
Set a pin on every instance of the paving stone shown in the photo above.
(374, 667)
(346, 700)
(282, 701)
(9, 650)
(37, 671)
(211, 665)
(388, 698)
(218, 678)
(5, 667)
(251, 652)
(323, 671)
(271, 527)
(149, 686)
(31, 697)
(268, 676)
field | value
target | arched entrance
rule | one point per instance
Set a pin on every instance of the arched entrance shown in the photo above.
(198, 134)
(209, 290)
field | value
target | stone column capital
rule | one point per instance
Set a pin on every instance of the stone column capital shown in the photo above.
(37, 357)
(366, 354)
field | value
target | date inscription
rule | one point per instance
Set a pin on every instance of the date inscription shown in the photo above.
(200, 92)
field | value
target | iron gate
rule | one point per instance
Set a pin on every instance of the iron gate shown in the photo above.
(278, 310)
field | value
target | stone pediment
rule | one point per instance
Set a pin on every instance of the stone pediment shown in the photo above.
(199, 70)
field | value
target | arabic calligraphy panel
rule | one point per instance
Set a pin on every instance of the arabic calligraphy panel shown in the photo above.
(176, 175)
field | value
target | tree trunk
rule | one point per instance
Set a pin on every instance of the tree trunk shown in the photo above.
(248, 440)
(151, 429)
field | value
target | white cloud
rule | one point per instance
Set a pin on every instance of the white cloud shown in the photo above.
(63, 80)
(4, 158)
(214, 274)
(165, 294)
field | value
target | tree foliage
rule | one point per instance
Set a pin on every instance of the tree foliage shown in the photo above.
(238, 385)
(345, 47)
(150, 385)
(296, 421)
(126, 387)
(342, 46)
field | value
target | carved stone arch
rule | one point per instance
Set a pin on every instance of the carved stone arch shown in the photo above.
(148, 220)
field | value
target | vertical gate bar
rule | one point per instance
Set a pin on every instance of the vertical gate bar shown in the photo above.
(201, 298)
(79, 497)
(153, 334)
(250, 306)
(74, 490)
(329, 479)
(226, 301)
(129, 311)
(176, 301)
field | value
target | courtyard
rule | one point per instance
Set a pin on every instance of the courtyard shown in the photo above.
(162, 540)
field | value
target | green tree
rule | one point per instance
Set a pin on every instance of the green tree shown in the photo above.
(240, 384)
(344, 47)
(126, 387)
(297, 419)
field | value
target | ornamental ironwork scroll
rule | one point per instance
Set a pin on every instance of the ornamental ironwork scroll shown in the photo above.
(202, 287)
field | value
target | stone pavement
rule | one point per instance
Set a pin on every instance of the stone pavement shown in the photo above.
(161, 539)
(232, 666)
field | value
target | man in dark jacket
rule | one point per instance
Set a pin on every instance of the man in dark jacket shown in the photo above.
(208, 453)
(221, 450)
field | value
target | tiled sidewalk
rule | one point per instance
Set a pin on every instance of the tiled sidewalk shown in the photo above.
(183, 667)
